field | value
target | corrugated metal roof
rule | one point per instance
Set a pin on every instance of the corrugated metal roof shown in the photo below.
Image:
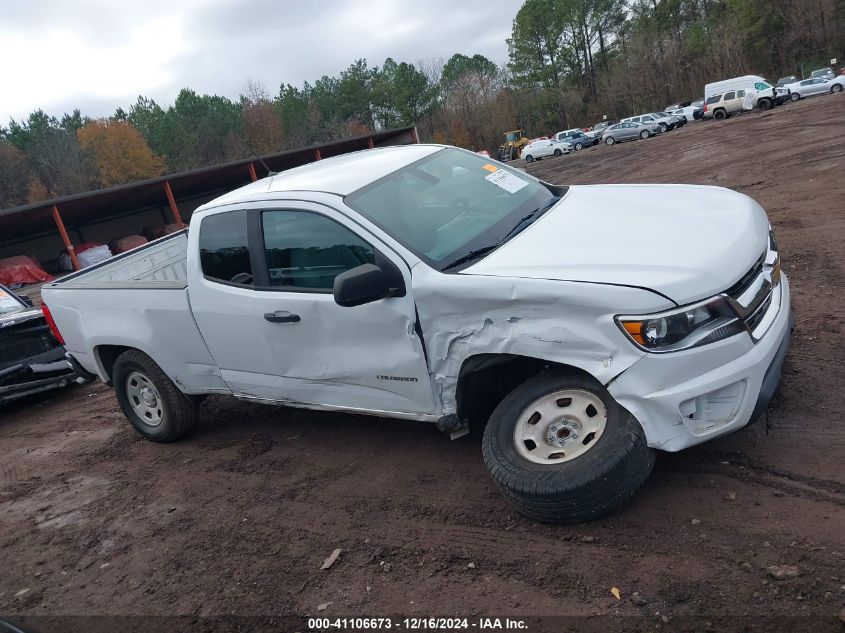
(81, 208)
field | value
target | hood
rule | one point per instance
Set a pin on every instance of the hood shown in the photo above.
(685, 242)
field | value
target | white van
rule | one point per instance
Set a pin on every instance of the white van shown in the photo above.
(767, 94)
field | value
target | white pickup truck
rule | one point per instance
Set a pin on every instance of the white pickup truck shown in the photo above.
(587, 325)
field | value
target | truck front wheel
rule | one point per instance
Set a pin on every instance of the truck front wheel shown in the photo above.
(563, 451)
(150, 400)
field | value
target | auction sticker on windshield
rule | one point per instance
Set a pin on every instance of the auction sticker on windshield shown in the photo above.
(506, 181)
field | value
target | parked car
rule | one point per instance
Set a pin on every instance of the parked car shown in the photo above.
(691, 112)
(822, 73)
(629, 131)
(817, 86)
(680, 119)
(598, 129)
(429, 283)
(790, 79)
(767, 96)
(721, 106)
(544, 149)
(577, 138)
(31, 359)
(664, 121)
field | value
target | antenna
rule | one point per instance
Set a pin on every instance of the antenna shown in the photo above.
(270, 172)
(249, 146)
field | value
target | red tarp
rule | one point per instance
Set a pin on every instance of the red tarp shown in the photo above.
(21, 269)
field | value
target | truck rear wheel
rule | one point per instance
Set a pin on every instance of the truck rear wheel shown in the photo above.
(563, 451)
(151, 402)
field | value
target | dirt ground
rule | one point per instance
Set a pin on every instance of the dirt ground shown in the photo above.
(237, 519)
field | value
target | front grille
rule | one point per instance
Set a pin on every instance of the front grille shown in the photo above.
(751, 296)
(747, 279)
(753, 320)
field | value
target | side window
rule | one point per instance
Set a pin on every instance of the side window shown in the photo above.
(714, 99)
(740, 93)
(730, 95)
(224, 250)
(306, 250)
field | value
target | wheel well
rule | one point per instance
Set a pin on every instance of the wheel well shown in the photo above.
(485, 380)
(107, 354)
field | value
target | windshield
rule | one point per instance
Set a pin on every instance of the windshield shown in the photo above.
(8, 304)
(450, 204)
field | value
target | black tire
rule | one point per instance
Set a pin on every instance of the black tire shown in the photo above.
(644, 134)
(558, 152)
(764, 104)
(720, 115)
(663, 127)
(794, 96)
(179, 412)
(579, 146)
(836, 88)
(529, 159)
(587, 487)
(609, 140)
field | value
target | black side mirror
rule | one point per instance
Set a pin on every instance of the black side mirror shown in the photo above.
(27, 301)
(363, 284)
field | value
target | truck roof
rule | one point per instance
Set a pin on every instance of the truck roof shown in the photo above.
(339, 175)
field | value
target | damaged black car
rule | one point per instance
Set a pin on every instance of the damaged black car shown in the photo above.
(31, 359)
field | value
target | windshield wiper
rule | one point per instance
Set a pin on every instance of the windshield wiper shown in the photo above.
(528, 219)
(473, 254)
(523, 222)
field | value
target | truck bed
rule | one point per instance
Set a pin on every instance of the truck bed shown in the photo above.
(136, 300)
(159, 264)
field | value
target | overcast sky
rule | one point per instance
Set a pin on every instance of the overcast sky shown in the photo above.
(96, 55)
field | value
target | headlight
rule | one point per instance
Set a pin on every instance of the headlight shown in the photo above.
(705, 322)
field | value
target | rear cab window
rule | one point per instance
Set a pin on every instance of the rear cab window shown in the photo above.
(224, 248)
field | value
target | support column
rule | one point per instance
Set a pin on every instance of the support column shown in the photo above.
(370, 142)
(317, 155)
(169, 193)
(252, 176)
(71, 250)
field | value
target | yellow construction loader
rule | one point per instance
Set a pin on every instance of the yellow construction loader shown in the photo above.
(514, 141)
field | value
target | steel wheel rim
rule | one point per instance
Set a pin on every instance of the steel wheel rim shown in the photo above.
(144, 398)
(560, 426)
